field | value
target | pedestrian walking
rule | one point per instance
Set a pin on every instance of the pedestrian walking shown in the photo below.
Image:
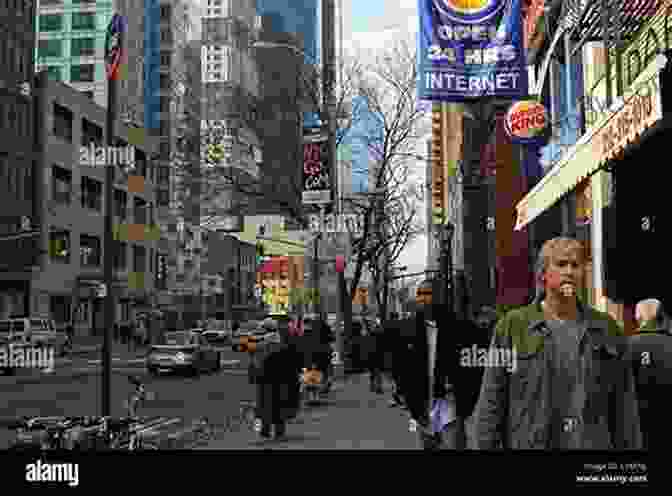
(424, 376)
(650, 353)
(373, 345)
(278, 365)
(558, 377)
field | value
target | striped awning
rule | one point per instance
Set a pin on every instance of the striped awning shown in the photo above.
(589, 154)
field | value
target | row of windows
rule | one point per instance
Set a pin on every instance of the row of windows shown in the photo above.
(80, 21)
(15, 118)
(90, 252)
(91, 196)
(13, 57)
(82, 73)
(17, 181)
(17, 7)
(79, 47)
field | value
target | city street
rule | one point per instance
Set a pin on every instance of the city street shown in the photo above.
(74, 389)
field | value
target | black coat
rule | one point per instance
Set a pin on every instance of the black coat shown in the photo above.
(651, 356)
(277, 383)
(411, 363)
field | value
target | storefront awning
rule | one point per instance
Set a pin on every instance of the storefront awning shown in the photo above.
(606, 140)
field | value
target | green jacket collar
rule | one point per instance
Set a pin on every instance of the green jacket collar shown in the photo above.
(534, 314)
(650, 327)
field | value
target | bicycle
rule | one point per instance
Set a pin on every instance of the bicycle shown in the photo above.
(124, 434)
(48, 433)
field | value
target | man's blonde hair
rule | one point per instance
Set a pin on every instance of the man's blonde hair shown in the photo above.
(548, 249)
(553, 246)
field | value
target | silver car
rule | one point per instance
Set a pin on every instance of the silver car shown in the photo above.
(183, 351)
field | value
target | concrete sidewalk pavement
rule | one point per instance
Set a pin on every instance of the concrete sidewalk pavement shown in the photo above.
(351, 418)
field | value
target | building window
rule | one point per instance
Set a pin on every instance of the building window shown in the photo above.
(82, 73)
(163, 198)
(59, 246)
(120, 259)
(62, 123)
(83, 20)
(91, 132)
(92, 194)
(139, 258)
(140, 211)
(163, 175)
(89, 250)
(82, 47)
(50, 48)
(54, 72)
(164, 104)
(165, 59)
(166, 36)
(61, 186)
(164, 81)
(165, 12)
(51, 22)
(28, 183)
(120, 200)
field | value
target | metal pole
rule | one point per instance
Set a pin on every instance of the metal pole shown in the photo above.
(108, 247)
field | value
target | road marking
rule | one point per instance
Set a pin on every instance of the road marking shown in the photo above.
(162, 423)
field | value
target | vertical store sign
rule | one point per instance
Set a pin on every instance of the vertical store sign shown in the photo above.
(151, 64)
(437, 154)
(113, 47)
(316, 180)
(470, 49)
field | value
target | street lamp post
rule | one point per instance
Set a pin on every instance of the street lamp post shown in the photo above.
(447, 258)
(114, 45)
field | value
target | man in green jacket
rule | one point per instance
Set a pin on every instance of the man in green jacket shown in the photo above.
(572, 386)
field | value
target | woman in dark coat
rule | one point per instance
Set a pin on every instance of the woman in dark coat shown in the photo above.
(277, 377)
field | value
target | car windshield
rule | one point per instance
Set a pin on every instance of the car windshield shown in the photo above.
(177, 339)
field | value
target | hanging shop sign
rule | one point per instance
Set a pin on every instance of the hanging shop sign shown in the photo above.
(471, 49)
(114, 46)
(641, 111)
(316, 168)
(526, 122)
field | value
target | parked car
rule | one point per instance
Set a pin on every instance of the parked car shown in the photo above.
(250, 331)
(183, 351)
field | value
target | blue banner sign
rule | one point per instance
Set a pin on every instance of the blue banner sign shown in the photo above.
(470, 49)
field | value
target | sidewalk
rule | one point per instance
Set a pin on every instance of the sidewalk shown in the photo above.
(352, 418)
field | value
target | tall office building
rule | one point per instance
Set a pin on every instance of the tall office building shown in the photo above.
(17, 155)
(296, 17)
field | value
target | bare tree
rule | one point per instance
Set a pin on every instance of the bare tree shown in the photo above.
(389, 213)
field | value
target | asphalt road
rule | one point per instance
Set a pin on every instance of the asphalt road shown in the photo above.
(214, 395)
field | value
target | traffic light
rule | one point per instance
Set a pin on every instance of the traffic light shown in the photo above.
(260, 254)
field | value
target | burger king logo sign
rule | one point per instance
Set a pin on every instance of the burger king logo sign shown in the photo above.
(526, 122)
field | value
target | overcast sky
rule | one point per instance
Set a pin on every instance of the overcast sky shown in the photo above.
(371, 25)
